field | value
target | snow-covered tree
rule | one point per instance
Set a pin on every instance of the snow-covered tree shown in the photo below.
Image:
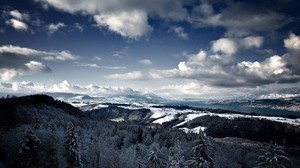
(155, 159)
(72, 147)
(274, 157)
(28, 151)
(176, 160)
(202, 152)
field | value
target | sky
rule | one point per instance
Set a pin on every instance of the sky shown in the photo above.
(172, 48)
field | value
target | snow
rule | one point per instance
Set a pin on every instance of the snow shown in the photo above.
(78, 104)
(100, 106)
(192, 116)
(193, 130)
(157, 114)
(164, 119)
(120, 119)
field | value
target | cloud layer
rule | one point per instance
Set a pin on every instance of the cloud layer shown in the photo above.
(19, 61)
(220, 68)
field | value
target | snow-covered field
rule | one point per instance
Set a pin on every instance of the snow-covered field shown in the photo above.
(166, 115)
(162, 115)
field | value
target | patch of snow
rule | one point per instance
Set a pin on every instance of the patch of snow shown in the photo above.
(164, 119)
(120, 119)
(100, 106)
(192, 116)
(193, 130)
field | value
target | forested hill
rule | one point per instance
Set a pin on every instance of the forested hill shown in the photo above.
(34, 109)
(39, 131)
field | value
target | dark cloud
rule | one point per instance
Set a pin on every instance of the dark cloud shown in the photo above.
(241, 19)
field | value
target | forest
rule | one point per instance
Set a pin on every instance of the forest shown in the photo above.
(39, 131)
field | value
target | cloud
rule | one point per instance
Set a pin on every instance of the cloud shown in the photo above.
(252, 42)
(213, 69)
(293, 42)
(90, 65)
(135, 75)
(7, 74)
(16, 14)
(52, 28)
(116, 15)
(104, 67)
(17, 24)
(68, 87)
(179, 32)
(114, 67)
(79, 27)
(65, 87)
(34, 66)
(98, 58)
(231, 46)
(20, 61)
(131, 24)
(242, 19)
(146, 62)
(225, 45)
(22, 51)
(17, 20)
(191, 89)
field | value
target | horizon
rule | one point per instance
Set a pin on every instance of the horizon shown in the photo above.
(183, 49)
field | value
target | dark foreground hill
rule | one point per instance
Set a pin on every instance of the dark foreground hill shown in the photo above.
(35, 131)
(16, 111)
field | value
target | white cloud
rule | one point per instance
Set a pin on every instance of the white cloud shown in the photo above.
(216, 70)
(65, 87)
(114, 67)
(98, 58)
(191, 89)
(131, 24)
(17, 20)
(205, 9)
(293, 42)
(127, 18)
(231, 46)
(52, 55)
(252, 42)
(7, 74)
(19, 61)
(179, 32)
(135, 75)
(34, 66)
(17, 24)
(16, 14)
(52, 28)
(146, 62)
(90, 65)
(225, 45)
(271, 67)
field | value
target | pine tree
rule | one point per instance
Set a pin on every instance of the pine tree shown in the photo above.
(71, 147)
(28, 151)
(274, 157)
(155, 159)
(176, 160)
(202, 153)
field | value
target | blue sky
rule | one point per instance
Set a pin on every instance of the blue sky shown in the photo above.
(185, 48)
